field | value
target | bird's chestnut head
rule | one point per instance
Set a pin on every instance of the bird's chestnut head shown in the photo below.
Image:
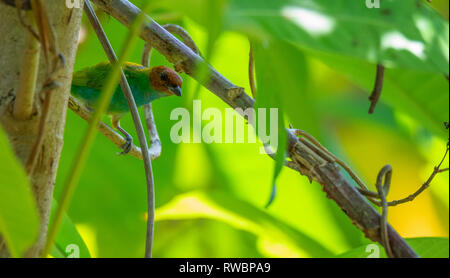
(164, 79)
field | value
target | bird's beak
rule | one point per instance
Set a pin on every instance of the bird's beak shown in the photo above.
(176, 90)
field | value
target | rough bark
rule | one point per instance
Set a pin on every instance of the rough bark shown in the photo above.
(22, 134)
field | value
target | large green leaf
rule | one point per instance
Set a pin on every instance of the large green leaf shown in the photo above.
(18, 215)
(351, 38)
(422, 96)
(242, 215)
(425, 247)
(283, 78)
(208, 13)
(68, 242)
(268, 99)
(359, 32)
(406, 34)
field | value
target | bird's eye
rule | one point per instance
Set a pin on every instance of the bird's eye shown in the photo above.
(164, 76)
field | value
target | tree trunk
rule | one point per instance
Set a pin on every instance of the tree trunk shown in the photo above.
(23, 133)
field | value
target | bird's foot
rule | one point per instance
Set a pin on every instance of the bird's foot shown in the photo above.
(127, 146)
(128, 139)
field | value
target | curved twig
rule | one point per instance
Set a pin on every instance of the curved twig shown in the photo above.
(155, 142)
(184, 35)
(383, 191)
(424, 186)
(251, 71)
(376, 93)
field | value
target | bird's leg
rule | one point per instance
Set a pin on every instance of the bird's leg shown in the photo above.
(129, 140)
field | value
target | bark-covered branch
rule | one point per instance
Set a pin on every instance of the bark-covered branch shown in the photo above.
(336, 186)
(103, 128)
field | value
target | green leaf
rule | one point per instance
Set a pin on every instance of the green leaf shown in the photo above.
(407, 34)
(19, 219)
(425, 247)
(422, 96)
(205, 12)
(57, 253)
(267, 98)
(68, 241)
(242, 215)
(211, 15)
(208, 13)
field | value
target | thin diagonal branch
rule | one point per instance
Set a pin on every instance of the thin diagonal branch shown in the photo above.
(103, 128)
(425, 185)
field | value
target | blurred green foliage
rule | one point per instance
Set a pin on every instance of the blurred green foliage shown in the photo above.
(425, 248)
(210, 197)
(19, 220)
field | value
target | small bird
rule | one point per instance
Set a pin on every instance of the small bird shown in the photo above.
(146, 84)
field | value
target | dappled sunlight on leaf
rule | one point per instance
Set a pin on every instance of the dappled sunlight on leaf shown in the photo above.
(19, 221)
(241, 215)
(349, 30)
(273, 249)
(316, 24)
(397, 41)
(89, 236)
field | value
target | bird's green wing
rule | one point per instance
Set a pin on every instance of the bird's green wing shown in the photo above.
(92, 77)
